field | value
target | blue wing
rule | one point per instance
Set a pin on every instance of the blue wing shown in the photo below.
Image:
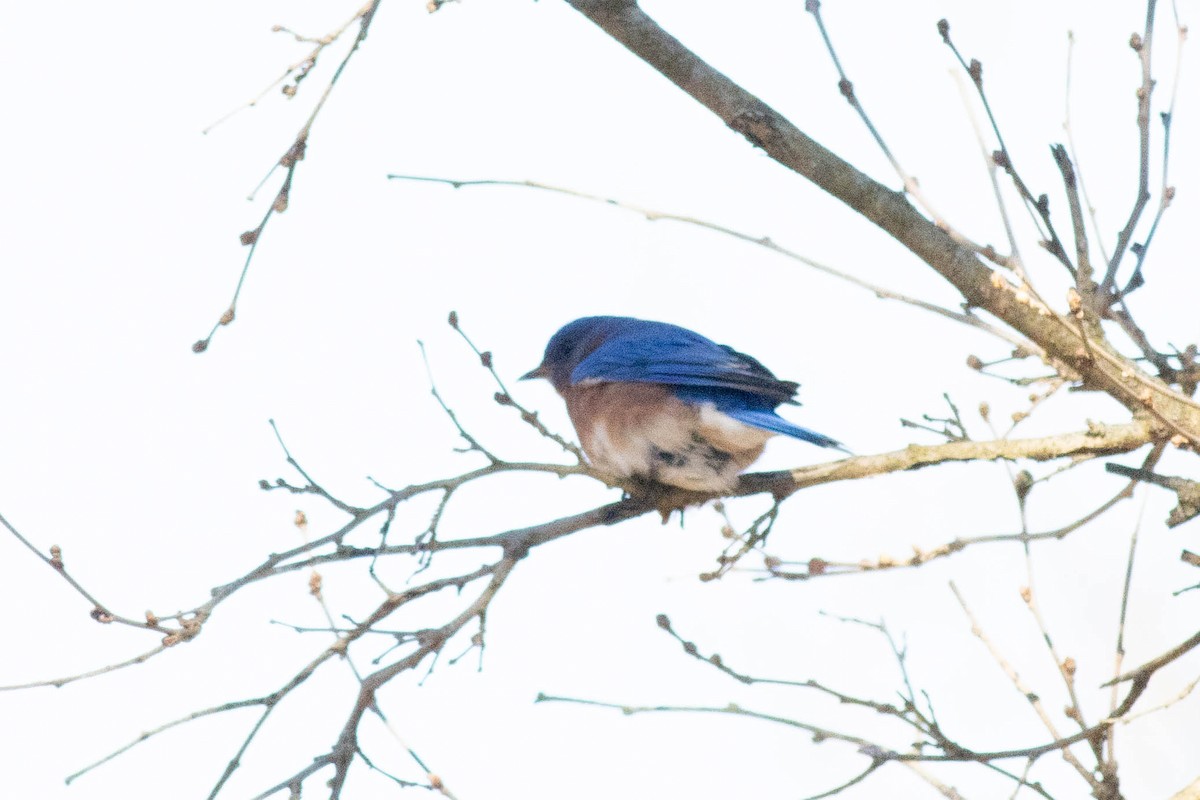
(642, 351)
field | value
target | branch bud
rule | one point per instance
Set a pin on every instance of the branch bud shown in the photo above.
(943, 29)
(1074, 301)
(294, 153)
(1022, 484)
(975, 70)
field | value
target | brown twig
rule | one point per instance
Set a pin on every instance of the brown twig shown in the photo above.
(911, 186)
(100, 612)
(505, 398)
(966, 317)
(1084, 281)
(1143, 673)
(1142, 46)
(1119, 650)
(1034, 701)
(1004, 159)
(291, 158)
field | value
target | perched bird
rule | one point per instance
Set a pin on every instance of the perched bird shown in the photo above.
(656, 402)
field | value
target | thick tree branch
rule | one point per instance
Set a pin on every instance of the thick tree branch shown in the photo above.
(1098, 440)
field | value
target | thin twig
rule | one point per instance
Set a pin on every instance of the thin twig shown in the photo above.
(1004, 158)
(964, 317)
(290, 160)
(100, 612)
(1015, 261)
(505, 398)
(911, 186)
(1146, 670)
(1119, 651)
(1142, 46)
(1074, 151)
(1034, 701)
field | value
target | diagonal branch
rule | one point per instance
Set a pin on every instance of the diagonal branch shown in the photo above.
(291, 159)
(965, 316)
(1142, 46)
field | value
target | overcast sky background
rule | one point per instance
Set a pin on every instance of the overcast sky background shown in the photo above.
(119, 226)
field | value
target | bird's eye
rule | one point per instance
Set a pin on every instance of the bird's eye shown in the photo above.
(561, 350)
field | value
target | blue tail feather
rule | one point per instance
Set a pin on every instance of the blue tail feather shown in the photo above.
(770, 421)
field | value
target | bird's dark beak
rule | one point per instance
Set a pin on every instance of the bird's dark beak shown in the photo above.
(541, 371)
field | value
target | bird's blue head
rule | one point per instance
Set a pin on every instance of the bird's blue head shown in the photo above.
(574, 342)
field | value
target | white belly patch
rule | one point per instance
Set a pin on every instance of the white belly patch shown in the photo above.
(691, 447)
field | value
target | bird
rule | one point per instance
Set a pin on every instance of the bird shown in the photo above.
(655, 402)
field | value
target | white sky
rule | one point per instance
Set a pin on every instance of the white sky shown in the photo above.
(119, 229)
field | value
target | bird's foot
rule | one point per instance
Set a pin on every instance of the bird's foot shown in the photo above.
(662, 497)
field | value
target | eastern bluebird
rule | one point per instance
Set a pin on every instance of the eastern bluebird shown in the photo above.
(658, 402)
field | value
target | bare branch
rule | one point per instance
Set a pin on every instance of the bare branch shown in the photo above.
(1142, 46)
(99, 612)
(1003, 157)
(290, 160)
(1034, 701)
(911, 186)
(966, 317)
(1142, 674)
(1119, 655)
